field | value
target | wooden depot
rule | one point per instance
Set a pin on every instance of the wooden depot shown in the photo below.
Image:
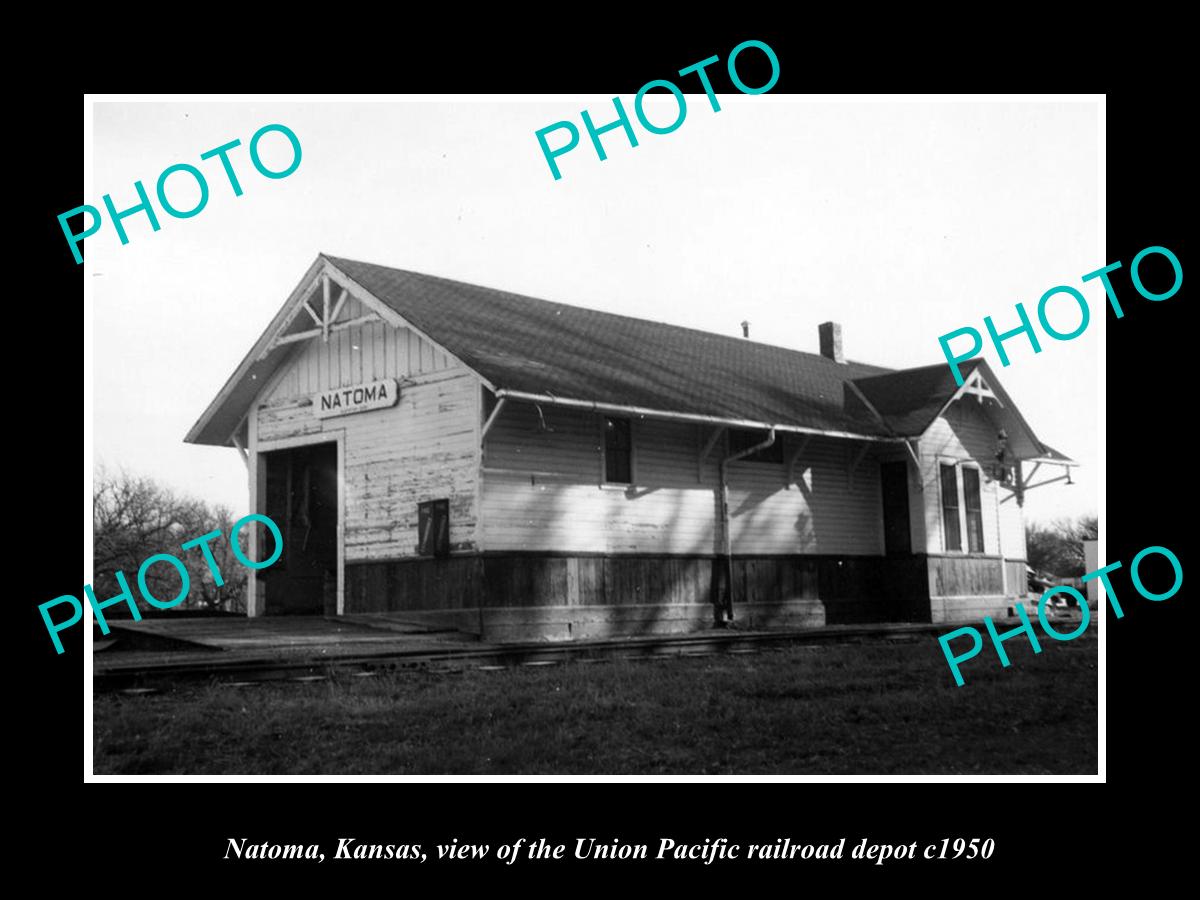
(478, 487)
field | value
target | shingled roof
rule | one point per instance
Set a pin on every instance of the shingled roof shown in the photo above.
(533, 346)
(910, 399)
(536, 346)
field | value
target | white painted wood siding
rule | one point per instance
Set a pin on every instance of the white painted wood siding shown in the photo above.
(383, 352)
(423, 448)
(966, 433)
(542, 490)
(1012, 528)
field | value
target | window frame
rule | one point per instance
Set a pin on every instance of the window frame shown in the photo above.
(602, 427)
(952, 465)
(960, 486)
(965, 465)
(433, 513)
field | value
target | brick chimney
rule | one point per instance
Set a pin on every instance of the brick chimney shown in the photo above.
(831, 341)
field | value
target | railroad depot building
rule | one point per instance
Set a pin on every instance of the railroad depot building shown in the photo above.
(453, 455)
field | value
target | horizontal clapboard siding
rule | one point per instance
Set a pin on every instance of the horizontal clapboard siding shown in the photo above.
(542, 490)
(1012, 528)
(423, 448)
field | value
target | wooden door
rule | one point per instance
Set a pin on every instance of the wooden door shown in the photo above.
(897, 538)
(302, 500)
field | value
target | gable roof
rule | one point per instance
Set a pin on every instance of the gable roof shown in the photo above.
(1051, 455)
(535, 346)
(910, 399)
(530, 346)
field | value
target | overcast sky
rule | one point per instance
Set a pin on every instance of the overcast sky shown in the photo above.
(902, 221)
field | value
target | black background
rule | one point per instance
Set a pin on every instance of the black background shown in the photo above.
(141, 834)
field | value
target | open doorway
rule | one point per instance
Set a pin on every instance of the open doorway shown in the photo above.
(301, 498)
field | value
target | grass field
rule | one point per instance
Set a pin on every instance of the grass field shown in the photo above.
(870, 708)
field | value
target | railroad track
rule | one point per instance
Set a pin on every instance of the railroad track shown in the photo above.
(245, 669)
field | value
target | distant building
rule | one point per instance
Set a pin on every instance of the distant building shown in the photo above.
(1091, 562)
(456, 455)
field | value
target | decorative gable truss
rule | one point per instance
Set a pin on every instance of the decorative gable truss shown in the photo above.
(976, 386)
(325, 321)
(1015, 442)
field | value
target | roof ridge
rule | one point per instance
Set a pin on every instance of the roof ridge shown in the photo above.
(968, 365)
(539, 348)
(740, 341)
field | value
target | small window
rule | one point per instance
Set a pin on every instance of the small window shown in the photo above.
(740, 440)
(974, 505)
(950, 507)
(618, 451)
(433, 528)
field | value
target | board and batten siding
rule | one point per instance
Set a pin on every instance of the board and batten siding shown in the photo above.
(965, 433)
(423, 448)
(543, 490)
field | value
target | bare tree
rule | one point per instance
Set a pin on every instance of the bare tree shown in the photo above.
(1057, 548)
(135, 517)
